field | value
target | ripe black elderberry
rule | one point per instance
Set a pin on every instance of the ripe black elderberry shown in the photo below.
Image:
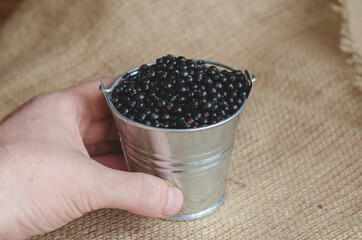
(179, 93)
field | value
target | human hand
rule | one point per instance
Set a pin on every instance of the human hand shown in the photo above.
(60, 157)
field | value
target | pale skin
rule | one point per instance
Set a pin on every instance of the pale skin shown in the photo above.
(60, 157)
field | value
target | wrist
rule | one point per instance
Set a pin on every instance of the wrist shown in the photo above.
(5, 200)
(4, 216)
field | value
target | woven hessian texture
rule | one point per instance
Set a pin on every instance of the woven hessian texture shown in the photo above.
(351, 35)
(296, 167)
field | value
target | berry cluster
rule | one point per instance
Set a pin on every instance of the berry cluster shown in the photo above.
(179, 93)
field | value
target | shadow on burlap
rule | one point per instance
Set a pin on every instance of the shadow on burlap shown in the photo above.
(296, 166)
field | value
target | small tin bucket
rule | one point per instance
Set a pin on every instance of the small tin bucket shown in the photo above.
(194, 160)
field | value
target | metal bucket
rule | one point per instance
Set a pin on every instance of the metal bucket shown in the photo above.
(194, 160)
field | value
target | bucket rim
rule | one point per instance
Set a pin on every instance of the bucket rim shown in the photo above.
(108, 92)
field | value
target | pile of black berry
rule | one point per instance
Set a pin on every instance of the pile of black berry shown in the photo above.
(180, 93)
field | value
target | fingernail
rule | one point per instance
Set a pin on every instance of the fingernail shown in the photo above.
(174, 202)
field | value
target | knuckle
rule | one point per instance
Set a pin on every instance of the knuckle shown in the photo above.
(41, 100)
(59, 101)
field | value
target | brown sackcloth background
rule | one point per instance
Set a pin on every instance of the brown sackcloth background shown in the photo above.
(296, 167)
(351, 35)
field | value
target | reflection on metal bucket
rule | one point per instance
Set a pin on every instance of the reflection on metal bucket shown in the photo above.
(195, 160)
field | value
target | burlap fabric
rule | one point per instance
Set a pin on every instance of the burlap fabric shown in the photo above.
(351, 35)
(295, 172)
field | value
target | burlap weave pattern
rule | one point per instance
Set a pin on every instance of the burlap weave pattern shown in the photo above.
(296, 166)
(351, 35)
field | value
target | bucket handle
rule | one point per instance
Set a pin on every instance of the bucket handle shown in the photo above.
(103, 88)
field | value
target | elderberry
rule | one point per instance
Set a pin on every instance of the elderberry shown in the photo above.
(180, 93)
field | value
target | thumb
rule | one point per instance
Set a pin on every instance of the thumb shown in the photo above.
(138, 193)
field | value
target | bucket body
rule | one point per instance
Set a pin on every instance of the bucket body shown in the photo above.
(194, 160)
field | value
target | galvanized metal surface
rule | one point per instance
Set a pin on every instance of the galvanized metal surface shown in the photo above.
(194, 160)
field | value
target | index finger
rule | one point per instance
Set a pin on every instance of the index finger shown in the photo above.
(90, 101)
